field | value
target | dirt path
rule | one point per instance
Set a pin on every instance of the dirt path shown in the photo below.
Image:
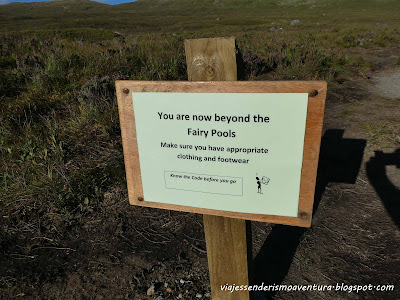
(388, 83)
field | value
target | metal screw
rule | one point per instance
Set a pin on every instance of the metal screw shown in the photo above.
(303, 215)
(313, 93)
(140, 198)
(126, 91)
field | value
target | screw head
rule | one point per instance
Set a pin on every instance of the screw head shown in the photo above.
(140, 198)
(126, 91)
(303, 215)
(313, 93)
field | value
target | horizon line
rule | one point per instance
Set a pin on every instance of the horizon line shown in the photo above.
(107, 2)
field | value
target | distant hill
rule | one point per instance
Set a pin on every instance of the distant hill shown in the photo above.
(173, 15)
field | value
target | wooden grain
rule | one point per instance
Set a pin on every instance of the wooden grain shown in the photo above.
(315, 112)
(211, 59)
(228, 254)
(228, 243)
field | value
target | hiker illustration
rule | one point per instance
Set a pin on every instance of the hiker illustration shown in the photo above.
(259, 185)
(264, 180)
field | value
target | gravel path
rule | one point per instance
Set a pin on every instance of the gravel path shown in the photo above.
(388, 83)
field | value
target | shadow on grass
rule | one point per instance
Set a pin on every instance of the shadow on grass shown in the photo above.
(386, 190)
(339, 161)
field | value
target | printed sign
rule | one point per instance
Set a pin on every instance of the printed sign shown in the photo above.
(236, 149)
(223, 151)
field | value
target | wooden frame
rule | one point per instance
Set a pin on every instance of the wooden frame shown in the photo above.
(315, 112)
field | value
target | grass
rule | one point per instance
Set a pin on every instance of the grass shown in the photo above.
(60, 137)
(59, 99)
(60, 144)
(380, 135)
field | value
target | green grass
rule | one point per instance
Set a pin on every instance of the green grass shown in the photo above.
(380, 135)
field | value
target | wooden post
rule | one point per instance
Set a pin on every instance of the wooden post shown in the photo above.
(228, 240)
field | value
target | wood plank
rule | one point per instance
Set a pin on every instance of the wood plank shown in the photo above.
(211, 59)
(229, 255)
(316, 106)
(226, 238)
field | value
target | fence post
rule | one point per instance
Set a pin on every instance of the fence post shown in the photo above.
(228, 240)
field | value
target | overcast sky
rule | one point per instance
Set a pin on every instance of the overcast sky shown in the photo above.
(103, 1)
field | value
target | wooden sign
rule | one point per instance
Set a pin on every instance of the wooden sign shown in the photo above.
(245, 150)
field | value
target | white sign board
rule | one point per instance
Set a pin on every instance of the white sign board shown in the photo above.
(238, 152)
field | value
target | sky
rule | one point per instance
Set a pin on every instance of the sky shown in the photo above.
(102, 1)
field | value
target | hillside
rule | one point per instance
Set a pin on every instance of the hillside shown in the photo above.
(173, 15)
